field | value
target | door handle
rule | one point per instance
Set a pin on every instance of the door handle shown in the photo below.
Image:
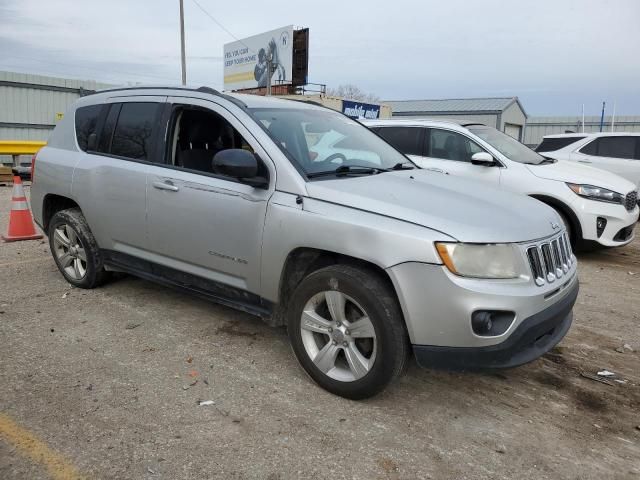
(166, 185)
(584, 161)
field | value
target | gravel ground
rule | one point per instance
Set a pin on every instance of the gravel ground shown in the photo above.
(110, 379)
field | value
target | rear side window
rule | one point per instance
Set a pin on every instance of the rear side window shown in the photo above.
(614, 147)
(86, 122)
(134, 130)
(617, 147)
(405, 139)
(553, 144)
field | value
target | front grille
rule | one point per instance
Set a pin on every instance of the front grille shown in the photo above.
(550, 259)
(631, 201)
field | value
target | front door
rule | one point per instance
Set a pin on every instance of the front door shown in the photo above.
(450, 152)
(200, 222)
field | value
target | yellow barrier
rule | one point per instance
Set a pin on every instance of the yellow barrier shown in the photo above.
(20, 147)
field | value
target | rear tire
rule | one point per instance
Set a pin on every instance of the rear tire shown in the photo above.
(75, 249)
(347, 330)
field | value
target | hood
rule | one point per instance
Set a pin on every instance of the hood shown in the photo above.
(565, 171)
(465, 210)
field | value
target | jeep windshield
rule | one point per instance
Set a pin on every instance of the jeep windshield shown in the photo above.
(506, 145)
(323, 143)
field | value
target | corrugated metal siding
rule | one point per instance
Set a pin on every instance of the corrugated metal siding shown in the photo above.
(538, 127)
(450, 105)
(29, 106)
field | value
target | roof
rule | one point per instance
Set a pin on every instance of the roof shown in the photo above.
(453, 105)
(243, 100)
(413, 122)
(593, 135)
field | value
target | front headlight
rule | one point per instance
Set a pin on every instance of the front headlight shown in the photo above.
(481, 261)
(596, 193)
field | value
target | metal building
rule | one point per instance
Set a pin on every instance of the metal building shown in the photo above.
(538, 127)
(505, 114)
(31, 105)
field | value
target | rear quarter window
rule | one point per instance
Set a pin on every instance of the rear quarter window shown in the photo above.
(86, 122)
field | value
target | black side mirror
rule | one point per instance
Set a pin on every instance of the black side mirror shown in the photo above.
(240, 164)
(483, 159)
(92, 141)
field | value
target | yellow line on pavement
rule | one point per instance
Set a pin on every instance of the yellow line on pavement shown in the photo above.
(58, 467)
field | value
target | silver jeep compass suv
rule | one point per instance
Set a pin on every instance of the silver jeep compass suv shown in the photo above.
(302, 216)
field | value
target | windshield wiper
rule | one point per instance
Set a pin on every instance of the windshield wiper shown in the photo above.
(403, 166)
(345, 170)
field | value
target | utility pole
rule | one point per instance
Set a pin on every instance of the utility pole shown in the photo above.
(613, 115)
(269, 72)
(182, 49)
(602, 117)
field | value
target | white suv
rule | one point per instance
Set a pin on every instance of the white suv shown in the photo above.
(597, 207)
(618, 153)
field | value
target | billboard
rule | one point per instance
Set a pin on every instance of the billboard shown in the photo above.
(245, 61)
(360, 110)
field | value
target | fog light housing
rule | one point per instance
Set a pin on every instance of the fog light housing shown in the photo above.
(490, 323)
(601, 224)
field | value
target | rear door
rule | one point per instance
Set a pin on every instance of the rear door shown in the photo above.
(202, 223)
(616, 154)
(110, 179)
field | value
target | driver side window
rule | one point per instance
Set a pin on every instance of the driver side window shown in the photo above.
(450, 145)
(198, 135)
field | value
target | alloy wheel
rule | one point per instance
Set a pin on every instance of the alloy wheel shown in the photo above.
(338, 336)
(69, 252)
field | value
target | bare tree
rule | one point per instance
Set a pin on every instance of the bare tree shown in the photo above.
(352, 92)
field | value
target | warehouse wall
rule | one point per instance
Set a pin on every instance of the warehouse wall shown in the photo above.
(31, 105)
(486, 119)
(538, 127)
(513, 115)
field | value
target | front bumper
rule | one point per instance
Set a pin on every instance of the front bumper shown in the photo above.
(533, 337)
(618, 218)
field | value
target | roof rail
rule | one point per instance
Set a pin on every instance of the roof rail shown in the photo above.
(202, 89)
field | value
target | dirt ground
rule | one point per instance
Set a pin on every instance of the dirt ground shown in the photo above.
(106, 382)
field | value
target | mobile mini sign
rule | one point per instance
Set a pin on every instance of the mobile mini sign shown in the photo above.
(245, 61)
(360, 110)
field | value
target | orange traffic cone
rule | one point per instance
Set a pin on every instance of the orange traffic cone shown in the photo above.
(20, 223)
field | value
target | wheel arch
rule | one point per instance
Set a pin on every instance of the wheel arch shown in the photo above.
(303, 261)
(576, 228)
(53, 203)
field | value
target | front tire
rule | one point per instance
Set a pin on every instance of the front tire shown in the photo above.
(347, 331)
(75, 249)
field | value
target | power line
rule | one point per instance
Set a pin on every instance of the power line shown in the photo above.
(219, 24)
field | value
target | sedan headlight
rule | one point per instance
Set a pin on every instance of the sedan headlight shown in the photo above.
(482, 261)
(597, 193)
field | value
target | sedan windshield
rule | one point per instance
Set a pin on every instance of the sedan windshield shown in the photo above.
(323, 141)
(506, 145)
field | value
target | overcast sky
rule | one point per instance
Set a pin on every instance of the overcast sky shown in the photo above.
(555, 55)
